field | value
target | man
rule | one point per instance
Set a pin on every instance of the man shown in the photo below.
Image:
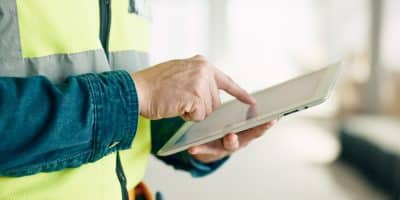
(76, 133)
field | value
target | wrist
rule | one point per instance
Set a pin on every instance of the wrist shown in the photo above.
(140, 91)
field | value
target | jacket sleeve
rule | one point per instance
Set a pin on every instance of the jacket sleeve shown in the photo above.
(46, 127)
(161, 131)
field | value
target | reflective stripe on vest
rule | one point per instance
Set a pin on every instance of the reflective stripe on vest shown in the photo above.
(61, 38)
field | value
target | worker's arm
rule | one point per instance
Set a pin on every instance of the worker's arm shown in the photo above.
(190, 88)
(47, 127)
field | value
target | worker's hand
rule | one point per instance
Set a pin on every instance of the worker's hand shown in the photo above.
(229, 144)
(187, 88)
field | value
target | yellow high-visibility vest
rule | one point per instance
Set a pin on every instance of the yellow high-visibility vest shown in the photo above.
(59, 38)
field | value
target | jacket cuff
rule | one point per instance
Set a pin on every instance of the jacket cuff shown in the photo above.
(116, 112)
(200, 169)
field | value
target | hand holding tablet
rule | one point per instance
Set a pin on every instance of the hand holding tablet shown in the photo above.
(230, 143)
(272, 103)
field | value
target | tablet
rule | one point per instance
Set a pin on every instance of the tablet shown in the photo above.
(274, 102)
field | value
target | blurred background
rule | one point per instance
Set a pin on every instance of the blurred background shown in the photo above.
(348, 147)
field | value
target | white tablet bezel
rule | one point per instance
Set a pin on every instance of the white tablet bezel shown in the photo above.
(322, 93)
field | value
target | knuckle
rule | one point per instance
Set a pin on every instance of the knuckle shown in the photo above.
(200, 57)
(202, 66)
(199, 86)
(197, 92)
(200, 60)
(196, 103)
(202, 73)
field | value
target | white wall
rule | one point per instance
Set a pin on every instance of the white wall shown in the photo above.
(260, 43)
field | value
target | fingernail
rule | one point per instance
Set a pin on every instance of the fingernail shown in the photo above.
(237, 145)
(232, 137)
(235, 142)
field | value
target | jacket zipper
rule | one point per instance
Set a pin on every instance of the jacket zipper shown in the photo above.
(105, 23)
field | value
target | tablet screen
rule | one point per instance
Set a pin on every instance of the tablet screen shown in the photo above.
(270, 100)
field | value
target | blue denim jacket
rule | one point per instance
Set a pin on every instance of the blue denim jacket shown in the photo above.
(46, 127)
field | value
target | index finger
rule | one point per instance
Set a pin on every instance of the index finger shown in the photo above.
(227, 84)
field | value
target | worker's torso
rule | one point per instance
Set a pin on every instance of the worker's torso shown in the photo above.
(59, 38)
